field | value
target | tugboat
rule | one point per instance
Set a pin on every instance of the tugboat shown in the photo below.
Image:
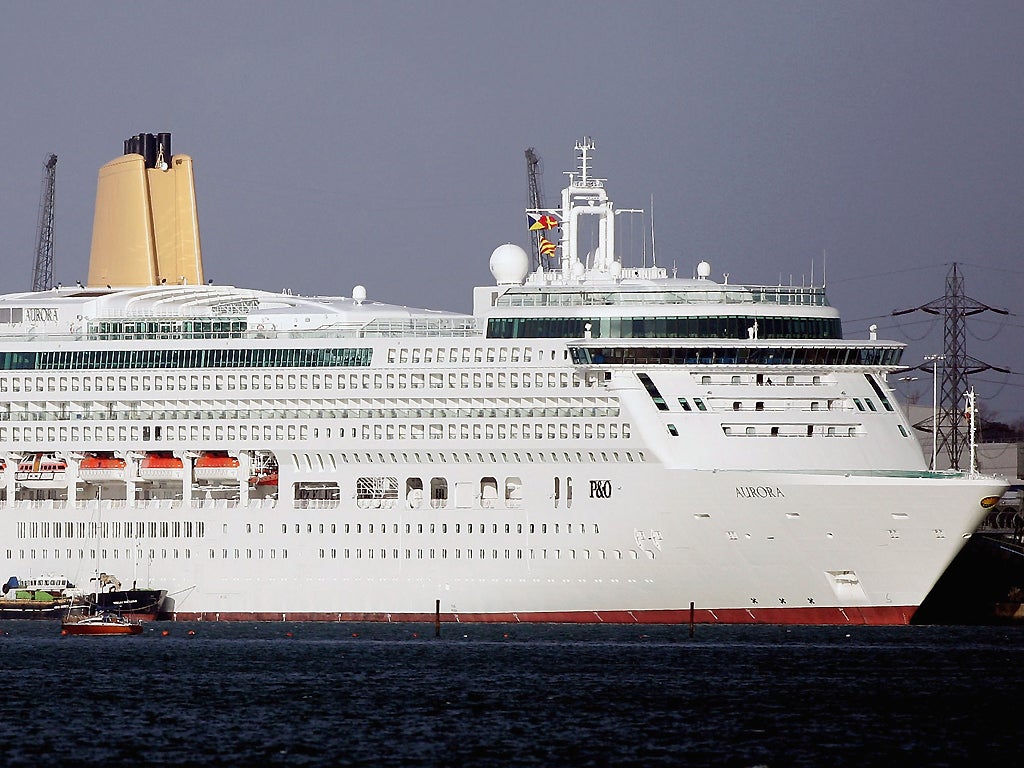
(43, 597)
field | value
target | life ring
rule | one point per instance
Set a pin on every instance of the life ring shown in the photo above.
(259, 327)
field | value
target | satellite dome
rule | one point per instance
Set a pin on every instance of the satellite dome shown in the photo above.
(509, 264)
(703, 270)
(359, 294)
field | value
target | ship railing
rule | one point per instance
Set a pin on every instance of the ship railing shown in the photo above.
(803, 296)
(448, 326)
(222, 414)
(317, 503)
(146, 504)
(431, 328)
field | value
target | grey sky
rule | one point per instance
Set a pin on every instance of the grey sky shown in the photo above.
(382, 143)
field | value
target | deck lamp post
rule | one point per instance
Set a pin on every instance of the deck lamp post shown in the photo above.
(934, 359)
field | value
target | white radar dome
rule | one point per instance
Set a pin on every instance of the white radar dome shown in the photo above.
(509, 264)
(703, 270)
(359, 294)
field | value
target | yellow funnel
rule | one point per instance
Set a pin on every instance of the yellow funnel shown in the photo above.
(146, 226)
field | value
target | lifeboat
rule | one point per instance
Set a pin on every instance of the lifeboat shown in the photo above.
(216, 465)
(161, 466)
(268, 478)
(264, 470)
(97, 467)
(42, 470)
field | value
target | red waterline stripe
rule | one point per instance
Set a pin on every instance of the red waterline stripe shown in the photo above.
(867, 615)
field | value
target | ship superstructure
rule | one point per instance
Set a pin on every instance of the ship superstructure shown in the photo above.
(593, 443)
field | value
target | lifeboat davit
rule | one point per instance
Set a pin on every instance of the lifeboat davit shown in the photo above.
(216, 465)
(161, 466)
(42, 470)
(101, 466)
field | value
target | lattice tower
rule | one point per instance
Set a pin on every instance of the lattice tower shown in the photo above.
(42, 271)
(533, 182)
(950, 427)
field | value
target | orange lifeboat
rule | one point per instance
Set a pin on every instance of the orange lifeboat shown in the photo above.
(264, 470)
(42, 470)
(101, 466)
(161, 466)
(269, 478)
(216, 465)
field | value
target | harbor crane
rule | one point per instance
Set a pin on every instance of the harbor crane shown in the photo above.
(42, 271)
(535, 202)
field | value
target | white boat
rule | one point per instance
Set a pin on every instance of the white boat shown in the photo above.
(595, 442)
(41, 470)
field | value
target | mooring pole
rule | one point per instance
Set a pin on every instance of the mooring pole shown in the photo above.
(437, 618)
(691, 618)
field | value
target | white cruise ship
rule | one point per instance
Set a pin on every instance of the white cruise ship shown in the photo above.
(595, 443)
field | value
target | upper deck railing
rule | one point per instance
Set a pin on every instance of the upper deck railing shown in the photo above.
(115, 329)
(796, 296)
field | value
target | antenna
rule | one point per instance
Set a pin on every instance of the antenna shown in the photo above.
(654, 253)
(584, 147)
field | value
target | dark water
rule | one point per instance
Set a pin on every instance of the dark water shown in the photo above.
(380, 694)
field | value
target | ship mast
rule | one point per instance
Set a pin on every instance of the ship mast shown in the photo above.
(586, 195)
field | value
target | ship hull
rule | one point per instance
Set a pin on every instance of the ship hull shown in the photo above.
(867, 615)
(100, 630)
(32, 609)
(633, 546)
(144, 604)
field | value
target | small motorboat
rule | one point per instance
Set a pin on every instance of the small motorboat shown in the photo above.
(100, 624)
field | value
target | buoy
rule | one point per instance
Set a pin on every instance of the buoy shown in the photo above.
(191, 633)
(165, 633)
(287, 634)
